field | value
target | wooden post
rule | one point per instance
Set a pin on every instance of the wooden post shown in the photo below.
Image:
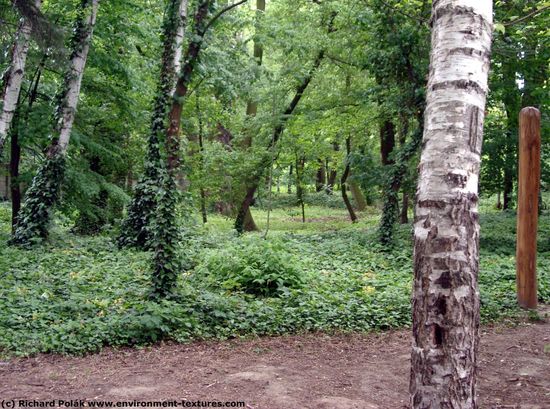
(528, 196)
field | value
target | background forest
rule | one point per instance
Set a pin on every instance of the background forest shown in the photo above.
(309, 112)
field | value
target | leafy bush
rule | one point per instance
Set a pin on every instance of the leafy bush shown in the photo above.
(258, 267)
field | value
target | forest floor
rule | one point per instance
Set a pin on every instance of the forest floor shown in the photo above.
(289, 372)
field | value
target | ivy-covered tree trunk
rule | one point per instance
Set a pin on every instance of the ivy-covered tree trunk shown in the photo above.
(446, 229)
(165, 225)
(136, 229)
(13, 76)
(33, 220)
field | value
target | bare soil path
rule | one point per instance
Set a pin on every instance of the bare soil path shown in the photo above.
(314, 371)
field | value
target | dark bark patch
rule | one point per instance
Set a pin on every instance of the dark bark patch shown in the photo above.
(441, 306)
(456, 180)
(459, 84)
(438, 335)
(444, 280)
(469, 50)
(438, 204)
(443, 244)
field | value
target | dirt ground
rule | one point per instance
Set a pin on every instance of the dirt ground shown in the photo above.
(292, 372)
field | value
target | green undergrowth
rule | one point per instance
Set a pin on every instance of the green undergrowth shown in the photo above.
(77, 294)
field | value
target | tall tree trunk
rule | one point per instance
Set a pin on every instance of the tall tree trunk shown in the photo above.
(446, 229)
(387, 141)
(343, 185)
(289, 182)
(136, 227)
(43, 193)
(182, 87)
(508, 189)
(300, 165)
(66, 110)
(320, 177)
(13, 77)
(404, 217)
(201, 163)
(15, 185)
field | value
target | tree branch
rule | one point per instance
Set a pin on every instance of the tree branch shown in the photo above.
(532, 14)
(220, 13)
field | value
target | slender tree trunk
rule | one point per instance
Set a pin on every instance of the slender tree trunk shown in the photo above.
(320, 177)
(15, 188)
(289, 182)
(13, 77)
(446, 229)
(73, 79)
(180, 37)
(343, 185)
(300, 165)
(201, 162)
(43, 192)
(508, 189)
(404, 217)
(387, 141)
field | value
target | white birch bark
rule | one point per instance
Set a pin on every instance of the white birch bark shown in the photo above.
(14, 76)
(179, 39)
(446, 229)
(73, 80)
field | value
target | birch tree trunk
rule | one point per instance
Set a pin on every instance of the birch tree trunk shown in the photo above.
(66, 109)
(446, 229)
(13, 78)
(34, 217)
(180, 35)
